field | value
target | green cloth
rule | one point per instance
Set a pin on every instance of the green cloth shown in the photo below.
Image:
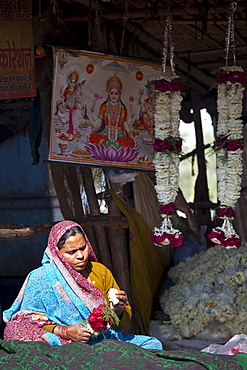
(146, 268)
(109, 355)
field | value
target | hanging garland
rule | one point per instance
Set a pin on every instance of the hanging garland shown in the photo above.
(229, 143)
(167, 146)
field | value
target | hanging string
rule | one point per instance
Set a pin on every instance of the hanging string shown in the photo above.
(230, 41)
(125, 20)
(168, 45)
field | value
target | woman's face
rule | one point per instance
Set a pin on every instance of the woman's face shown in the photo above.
(114, 95)
(75, 251)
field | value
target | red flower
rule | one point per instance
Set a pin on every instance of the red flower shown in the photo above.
(167, 145)
(227, 211)
(157, 239)
(220, 77)
(96, 319)
(233, 145)
(158, 145)
(232, 241)
(217, 236)
(167, 209)
(174, 240)
(177, 84)
(229, 145)
(233, 77)
(220, 141)
(163, 85)
(236, 77)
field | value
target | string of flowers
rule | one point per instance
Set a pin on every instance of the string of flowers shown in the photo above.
(167, 146)
(229, 145)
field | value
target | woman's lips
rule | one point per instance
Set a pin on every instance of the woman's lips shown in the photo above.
(80, 264)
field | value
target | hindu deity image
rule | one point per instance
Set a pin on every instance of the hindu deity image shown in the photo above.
(111, 127)
(71, 112)
(110, 138)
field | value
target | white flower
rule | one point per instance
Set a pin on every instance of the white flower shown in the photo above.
(112, 296)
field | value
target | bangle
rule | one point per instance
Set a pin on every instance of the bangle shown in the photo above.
(63, 331)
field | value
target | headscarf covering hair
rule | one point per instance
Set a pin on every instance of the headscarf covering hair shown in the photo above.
(74, 278)
(58, 230)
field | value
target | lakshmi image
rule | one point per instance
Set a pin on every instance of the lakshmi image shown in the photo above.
(71, 110)
(111, 126)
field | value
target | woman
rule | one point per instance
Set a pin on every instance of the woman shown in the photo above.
(112, 118)
(57, 298)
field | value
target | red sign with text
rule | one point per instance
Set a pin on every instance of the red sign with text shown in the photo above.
(17, 73)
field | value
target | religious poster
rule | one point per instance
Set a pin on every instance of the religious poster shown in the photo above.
(102, 111)
(17, 74)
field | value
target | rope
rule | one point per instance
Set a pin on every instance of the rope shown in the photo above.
(125, 20)
(230, 42)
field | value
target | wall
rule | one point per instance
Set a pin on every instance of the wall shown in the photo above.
(26, 197)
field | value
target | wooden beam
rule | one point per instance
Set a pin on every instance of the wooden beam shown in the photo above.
(210, 51)
(10, 232)
(157, 45)
(192, 31)
(159, 11)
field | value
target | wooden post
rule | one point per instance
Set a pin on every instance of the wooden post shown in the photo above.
(202, 215)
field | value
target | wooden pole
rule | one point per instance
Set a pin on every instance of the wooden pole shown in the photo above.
(202, 215)
(10, 232)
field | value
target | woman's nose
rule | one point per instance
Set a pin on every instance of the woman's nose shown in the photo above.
(79, 254)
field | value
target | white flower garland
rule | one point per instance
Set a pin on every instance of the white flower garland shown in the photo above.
(210, 288)
(167, 144)
(167, 117)
(168, 106)
(229, 165)
(229, 151)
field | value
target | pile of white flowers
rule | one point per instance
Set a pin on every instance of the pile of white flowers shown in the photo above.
(210, 287)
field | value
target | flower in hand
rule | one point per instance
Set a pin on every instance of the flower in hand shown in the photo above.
(118, 300)
(101, 318)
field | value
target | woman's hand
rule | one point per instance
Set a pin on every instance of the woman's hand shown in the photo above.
(76, 333)
(120, 306)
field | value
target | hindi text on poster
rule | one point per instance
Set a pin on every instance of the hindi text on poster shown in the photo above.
(17, 74)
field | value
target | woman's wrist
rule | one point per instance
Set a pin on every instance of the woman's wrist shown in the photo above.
(61, 331)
